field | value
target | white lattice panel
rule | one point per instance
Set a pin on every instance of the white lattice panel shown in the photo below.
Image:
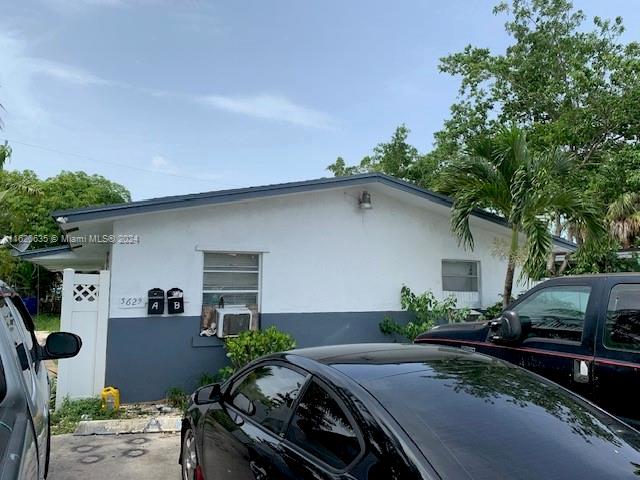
(85, 293)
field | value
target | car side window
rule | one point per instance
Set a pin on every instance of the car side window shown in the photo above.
(321, 426)
(556, 312)
(266, 395)
(20, 338)
(622, 326)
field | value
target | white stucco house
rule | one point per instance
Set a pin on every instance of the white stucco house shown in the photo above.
(322, 259)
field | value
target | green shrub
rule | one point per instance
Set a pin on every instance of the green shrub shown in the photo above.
(66, 418)
(253, 344)
(224, 373)
(206, 379)
(493, 311)
(53, 388)
(177, 398)
(427, 311)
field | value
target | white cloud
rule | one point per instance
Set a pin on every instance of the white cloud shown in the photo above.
(269, 107)
(16, 92)
(76, 5)
(67, 73)
(161, 164)
(19, 96)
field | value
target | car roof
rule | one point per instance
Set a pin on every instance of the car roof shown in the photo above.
(460, 408)
(631, 275)
(382, 353)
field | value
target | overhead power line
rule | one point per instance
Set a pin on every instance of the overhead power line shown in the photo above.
(116, 164)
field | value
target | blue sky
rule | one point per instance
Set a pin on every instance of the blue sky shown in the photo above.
(170, 97)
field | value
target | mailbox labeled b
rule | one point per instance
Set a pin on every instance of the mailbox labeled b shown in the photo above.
(155, 301)
(175, 300)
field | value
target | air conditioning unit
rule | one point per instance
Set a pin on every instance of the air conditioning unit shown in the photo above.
(231, 321)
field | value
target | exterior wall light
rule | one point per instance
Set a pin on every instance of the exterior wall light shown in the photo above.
(365, 200)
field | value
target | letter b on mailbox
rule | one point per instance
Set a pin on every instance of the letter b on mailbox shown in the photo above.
(175, 300)
(155, 302)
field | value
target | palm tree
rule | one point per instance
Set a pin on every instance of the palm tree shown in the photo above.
(623, 218)
(502, 175)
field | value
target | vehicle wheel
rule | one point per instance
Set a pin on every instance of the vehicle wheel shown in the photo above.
(189, 456)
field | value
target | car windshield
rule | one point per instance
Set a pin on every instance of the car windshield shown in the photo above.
(482, 419)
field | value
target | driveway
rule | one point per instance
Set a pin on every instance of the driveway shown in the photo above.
(151, 456)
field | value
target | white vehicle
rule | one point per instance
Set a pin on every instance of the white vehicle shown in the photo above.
(24, 389)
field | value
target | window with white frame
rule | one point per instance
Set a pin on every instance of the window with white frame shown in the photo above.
(460, 275)
(233, 277)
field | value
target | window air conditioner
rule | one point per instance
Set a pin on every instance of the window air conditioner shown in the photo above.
(231, 321)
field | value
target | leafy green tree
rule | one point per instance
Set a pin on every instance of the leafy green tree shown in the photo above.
(24, 213)
(64, 191)
(396, 158)
(570, 86)
(501, 174)
(573, 88)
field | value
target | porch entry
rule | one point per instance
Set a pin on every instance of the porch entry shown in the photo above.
(85, 312)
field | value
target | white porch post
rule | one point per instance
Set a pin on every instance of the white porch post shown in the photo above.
(101, 333)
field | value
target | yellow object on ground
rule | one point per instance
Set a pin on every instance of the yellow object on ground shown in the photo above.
(110, 397)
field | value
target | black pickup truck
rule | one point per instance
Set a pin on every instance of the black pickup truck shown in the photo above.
(582, 332)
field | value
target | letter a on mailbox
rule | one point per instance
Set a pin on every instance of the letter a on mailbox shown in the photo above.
(175, 300)
(155, 302)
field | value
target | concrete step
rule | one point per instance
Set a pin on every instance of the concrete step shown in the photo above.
(161, 424)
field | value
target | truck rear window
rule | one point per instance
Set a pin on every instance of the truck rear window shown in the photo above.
(622, 328)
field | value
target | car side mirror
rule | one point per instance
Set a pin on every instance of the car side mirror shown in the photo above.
(508, 328)
(208, 394)
(61, 345)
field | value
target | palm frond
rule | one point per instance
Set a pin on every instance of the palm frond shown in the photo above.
(623, 217)
(460, 212)
(538, 246)
(5, 153)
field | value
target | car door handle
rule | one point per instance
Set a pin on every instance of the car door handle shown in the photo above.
(259, 472)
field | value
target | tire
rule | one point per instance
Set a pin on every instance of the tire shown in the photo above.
(189, 456)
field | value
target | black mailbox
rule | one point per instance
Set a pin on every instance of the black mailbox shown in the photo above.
(175, 300)
(155, 303)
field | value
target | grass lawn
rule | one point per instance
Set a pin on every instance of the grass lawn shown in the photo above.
(47, 321)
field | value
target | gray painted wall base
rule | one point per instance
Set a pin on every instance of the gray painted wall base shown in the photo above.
(315, 329)
(148, 355)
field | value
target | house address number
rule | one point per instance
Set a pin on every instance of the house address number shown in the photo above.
(131, 302)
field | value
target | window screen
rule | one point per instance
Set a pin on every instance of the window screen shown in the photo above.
(460, 276)
(233, 276)
(622, 328)
(321, 427)
(266, 395)
(556, 312)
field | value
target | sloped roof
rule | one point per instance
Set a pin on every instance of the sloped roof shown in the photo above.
(249, 193)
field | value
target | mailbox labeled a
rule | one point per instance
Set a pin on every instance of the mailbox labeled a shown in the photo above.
(155, 301)
(175, 300)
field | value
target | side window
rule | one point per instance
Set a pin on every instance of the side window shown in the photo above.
(267, 394)
(556, 312)
(622, 327)
(321, 427)
(20, 338)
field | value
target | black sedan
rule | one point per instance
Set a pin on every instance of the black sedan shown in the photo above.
(390, 411)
